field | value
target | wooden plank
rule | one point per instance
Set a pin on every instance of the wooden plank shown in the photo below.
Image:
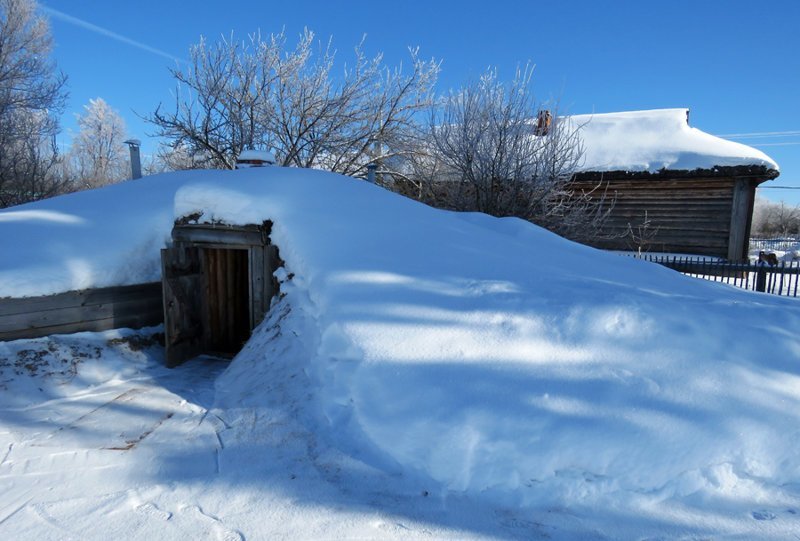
(181, 271)
(673, 219)
(687, 242)
(741, 214)
(83, 326)
(664, 233)
(90, 312)
(682, 207)
(243, 304)
(136, 320)
(688, 246)
(86, 310)
(273, 262)
(72, 299)
(231, 301)
(206, 291)
(219, 234)
(152, 317)
(257, 285)
(659, 183)
(697, 196)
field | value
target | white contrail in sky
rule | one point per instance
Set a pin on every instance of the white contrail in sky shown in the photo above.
(107, 33)
(792, 133)
(774, 144)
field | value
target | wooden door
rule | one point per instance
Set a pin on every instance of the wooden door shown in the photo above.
(182, 278)
(227, 300)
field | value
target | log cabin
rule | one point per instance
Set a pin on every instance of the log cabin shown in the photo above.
(676, 189)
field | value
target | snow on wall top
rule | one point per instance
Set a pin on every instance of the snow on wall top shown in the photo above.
(655, 140)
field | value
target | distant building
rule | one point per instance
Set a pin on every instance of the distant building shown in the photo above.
(254, 158)
(678, 189)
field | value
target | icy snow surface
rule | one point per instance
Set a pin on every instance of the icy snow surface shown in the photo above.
(426, 374)
(655, 140)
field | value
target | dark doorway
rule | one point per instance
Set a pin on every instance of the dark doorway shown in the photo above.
(228, 297)
(218, 283)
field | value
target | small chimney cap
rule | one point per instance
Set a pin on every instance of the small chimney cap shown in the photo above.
(133, 142)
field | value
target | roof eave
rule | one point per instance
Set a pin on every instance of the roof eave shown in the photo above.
(757, 173)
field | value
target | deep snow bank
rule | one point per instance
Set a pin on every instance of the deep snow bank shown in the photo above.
(487, 354)
(496, 357)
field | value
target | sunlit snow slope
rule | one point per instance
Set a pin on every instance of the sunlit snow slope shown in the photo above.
(487, 355)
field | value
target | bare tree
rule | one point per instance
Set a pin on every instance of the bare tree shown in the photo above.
(98, 154)
(32, 95)
(494, 149)
(345, 124)
(771, 219)
(174, 157)
(640, 236)
(257, 94)
(222, 99)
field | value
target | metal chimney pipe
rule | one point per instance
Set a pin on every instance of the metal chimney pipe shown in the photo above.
(371, 168)
(136, 160)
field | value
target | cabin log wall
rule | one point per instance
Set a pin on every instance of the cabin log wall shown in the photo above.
(705, 216)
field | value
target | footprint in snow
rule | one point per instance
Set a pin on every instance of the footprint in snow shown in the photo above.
(216, 528)
(149, 509)
(763, 515)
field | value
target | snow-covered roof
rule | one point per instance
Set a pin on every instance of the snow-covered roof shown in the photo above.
(655, 140)
(255, 158)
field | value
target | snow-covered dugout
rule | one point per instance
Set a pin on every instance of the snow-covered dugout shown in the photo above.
(470, 376)
(695, 190)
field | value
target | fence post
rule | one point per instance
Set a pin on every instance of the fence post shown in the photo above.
(761, 278)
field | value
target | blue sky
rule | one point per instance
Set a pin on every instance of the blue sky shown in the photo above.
(733, 63)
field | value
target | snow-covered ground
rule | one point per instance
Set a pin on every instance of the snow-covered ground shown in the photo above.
(426, 374)
(786, 256)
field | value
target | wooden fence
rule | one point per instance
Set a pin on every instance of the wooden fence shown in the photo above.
(781, 279)
(87, 310)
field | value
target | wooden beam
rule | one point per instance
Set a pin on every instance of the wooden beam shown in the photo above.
(741, 209)
(227, 236)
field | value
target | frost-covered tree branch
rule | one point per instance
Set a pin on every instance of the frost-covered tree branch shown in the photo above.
(492, 148)
(771, 219)
(98, 155)
(32, 96)
(257, 93)
(221, 99)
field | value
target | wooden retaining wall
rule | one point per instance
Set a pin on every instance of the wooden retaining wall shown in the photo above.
(133, 306)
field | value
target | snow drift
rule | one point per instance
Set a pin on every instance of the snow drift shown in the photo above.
(486, 355)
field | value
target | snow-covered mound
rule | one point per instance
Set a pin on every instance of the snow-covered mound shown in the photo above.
(655, 140)
(486, 355)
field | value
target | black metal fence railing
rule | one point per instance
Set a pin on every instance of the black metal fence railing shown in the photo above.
(782, 244)
(781, 279)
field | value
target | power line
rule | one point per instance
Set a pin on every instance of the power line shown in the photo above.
(779, 187)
